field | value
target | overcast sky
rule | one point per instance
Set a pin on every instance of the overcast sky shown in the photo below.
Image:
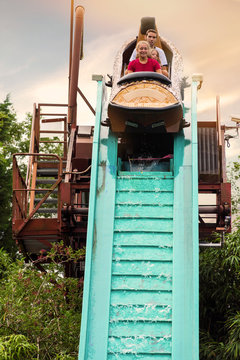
(34, 40)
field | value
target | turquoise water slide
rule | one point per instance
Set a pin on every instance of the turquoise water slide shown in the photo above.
(141, 273)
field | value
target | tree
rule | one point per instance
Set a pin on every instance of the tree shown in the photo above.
(11, 141)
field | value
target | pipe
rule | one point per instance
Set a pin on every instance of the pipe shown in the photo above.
(73, 210)
(222, 209)
(208, 209)
(71, 44)
(77, 51)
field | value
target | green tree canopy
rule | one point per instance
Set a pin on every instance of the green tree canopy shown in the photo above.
(14, 137)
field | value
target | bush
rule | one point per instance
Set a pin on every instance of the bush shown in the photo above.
(43, 308)
(220, 300)
(16, 347)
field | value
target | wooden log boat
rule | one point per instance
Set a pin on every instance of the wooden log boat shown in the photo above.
(146, 101)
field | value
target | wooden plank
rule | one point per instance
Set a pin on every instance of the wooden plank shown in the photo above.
(150, 197)
(142, 283)
(153, 253)
(141, 297)
(144, 268)
(138, 184)
(133, 312)
(143, 239)
(146, 345)
(138, 225)
(129, 210)
(127, 356)
(140, 328)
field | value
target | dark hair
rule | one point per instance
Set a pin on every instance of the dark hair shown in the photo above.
(151, 30)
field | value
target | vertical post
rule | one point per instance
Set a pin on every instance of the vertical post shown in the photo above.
(77, 50)
(35, 148)
(196, 85)
(91, 216)
(71, 43)
(15, 186)
(31, 150)
(65, 138)
(219, 137)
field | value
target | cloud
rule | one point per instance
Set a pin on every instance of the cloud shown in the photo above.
(5, 71)
(51, 89)
(99, 56)
(232, 152)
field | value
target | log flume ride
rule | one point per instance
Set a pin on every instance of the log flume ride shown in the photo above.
(127, 189)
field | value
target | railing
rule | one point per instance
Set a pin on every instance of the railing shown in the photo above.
(20, 201)
(35, 140)
(22, 209)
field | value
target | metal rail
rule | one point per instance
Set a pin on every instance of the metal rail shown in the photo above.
(20, 191)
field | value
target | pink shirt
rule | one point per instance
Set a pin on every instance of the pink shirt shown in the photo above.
(151, 65)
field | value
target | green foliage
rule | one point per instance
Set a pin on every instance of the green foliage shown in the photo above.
(234, 176)
(13, 138)
(5, 263)
(220, 300)
(43, 307)
(210, 349)
(59, 253)
(12, 131)
(54, 148)
(16, 347)
(64, 356)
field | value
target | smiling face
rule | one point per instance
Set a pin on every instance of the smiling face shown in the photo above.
(151, 38)
(142, 49)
